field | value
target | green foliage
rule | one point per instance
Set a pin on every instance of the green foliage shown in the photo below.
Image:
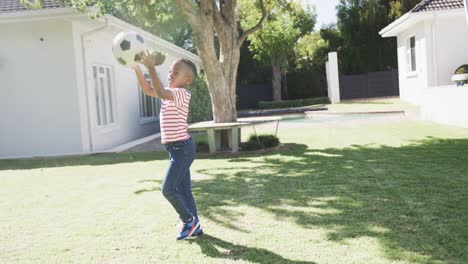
(462, 69)
(307, 48)
(163, 18)
(363, 49)
(259, 142)
(399, 7)
(35, 4)
(286, 23)
(200, 108)
(306, 83)
(293, 103)
(268, 141)
(307, 78)
(250, 70)
(360, 47)
(251, 145)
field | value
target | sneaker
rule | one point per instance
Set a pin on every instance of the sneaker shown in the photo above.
(198, 231)
(188, 228)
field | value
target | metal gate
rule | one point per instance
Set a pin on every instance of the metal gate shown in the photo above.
(372, 84)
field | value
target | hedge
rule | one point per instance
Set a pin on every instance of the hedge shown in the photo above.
(293, 103)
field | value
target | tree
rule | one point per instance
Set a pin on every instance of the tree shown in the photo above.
(171, 26)
(363, 49)
(208, 19)
(308, 78)
(286, 24)
(400, 7)
(308, 48)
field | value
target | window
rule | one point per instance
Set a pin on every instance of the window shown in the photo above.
(411, 54)
(104, 95)
(149, 106)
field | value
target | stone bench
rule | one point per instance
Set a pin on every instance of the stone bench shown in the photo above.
(214, 130)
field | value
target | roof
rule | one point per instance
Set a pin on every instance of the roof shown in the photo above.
(436, 5)
(12, 6)
(425, 10)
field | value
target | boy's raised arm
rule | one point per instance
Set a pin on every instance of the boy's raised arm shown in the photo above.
(143, 83)
(157, 85)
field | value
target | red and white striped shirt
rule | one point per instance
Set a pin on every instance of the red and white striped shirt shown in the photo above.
(173, 117)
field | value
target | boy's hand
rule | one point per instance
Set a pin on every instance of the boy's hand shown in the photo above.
(147, 60)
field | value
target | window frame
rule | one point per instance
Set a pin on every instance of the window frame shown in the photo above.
(154, 103)
(104, 93)
(411, 56)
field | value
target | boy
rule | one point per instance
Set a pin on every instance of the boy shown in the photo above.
(176, 186)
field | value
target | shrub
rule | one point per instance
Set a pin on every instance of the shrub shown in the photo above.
(293, 103)
(268, 141)
(251, 145)
(263, 141)
(200, 102)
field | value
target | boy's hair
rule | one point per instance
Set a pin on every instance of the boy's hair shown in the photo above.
(191, 66)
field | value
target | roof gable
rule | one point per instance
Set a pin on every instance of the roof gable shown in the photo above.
(436, 5)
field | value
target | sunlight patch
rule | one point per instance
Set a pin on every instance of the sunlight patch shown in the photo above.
(378, 229)
(323, 154)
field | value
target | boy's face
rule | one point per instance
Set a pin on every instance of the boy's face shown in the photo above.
(179, 76)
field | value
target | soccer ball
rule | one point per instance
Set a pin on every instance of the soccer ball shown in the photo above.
(127, 45)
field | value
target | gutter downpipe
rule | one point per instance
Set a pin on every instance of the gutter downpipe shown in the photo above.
(83, 57)
(434, 53)
(466, 10)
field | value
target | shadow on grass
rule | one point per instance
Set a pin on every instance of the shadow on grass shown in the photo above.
(156, 188)
(412, 198)
(100, 159)
(93, 159)
(209, 246)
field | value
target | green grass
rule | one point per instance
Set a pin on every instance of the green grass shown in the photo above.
(354, 193)
(371, 105)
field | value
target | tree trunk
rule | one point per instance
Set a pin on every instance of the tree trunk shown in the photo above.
(276, 79)
(205, 18)
(221, 73)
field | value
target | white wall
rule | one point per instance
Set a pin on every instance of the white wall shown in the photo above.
(411, 85)
(441, 43)
(443, 102)
(446, 104)
(451, 43)
(38, 106)
(129, 126)
(98, 50)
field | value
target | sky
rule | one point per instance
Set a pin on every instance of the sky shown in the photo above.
(326, 12)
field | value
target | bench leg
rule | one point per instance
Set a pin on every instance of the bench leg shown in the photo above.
(234, 139)
(211, 140)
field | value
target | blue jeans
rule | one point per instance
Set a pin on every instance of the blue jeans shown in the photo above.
(176, 186)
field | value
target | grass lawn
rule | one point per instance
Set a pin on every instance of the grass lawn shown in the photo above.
(371, 105)
(394, 192)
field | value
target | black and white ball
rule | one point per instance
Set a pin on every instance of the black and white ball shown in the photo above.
(126, 47)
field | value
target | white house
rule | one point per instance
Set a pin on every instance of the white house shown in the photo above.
(432, 43)
(61, 90)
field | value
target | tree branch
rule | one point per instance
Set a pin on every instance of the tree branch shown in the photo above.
(228, 12)
(256, 27)
(189, 10)
(218, 20)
